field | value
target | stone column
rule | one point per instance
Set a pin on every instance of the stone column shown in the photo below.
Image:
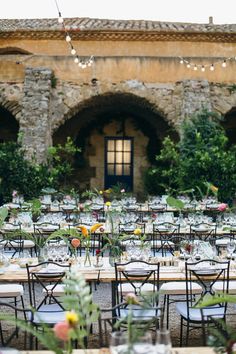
(35, 124)
(195, 96)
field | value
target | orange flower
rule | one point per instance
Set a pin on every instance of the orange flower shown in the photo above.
(61, 330)
(84, 230)
(213, 188)
(75, 242)
(95, 227)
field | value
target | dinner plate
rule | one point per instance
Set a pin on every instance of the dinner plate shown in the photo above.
(206, 271)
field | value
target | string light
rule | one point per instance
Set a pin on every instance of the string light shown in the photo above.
(82, 63)
(203, 67)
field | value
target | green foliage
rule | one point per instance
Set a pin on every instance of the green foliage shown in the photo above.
(18, 174)
(3, 215)
(200, 156)
(175, 203)
(28, 178)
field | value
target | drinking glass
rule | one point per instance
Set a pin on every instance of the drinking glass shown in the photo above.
(230, 247)
(119, 343)
(143, 345)
(163, 342)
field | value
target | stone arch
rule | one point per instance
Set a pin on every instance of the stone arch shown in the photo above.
(11, 106)
(13, 51)
(9, 126)
(115, 114)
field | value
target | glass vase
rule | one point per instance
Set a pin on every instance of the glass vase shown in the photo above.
(87, 260)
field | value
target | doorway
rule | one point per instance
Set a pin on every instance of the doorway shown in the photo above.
(119, 162)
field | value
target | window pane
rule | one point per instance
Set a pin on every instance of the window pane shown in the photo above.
(119, 170)
(110, 170)
(111, 145)
(127, 170)
(127, 145)
(110, 157)
(119, 145)
(119, 157)
(127, 157)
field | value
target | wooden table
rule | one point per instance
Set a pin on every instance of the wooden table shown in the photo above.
(190, 350)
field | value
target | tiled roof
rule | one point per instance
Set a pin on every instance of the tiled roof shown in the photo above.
(36, 28)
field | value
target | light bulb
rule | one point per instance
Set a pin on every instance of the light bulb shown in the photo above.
(212, 68)
(76, 60)
(181, 61)
(203, 68)
(73, 51)
(80, 64)
(224, 64)
(60, 20)
(188, 66)
(195, 68)
(68, 39)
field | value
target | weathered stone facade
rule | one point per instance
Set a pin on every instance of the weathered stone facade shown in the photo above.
(132, 83)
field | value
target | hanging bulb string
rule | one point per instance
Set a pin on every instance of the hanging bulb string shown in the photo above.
(82, 63)
(189, 64)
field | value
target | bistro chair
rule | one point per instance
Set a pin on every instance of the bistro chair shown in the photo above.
(203, 232)
(138, 277)
(164, 235)
(46, 278)
(206, 273)
(144, 318)
(6, 337)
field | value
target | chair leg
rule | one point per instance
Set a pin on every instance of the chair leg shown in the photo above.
(187, 334)
(181, 332)
(167, 311)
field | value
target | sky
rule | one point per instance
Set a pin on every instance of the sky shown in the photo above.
(195, 11)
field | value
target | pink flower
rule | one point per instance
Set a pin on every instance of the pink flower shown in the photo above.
(222, 207)
(122, 190)
(131, 299)
(14, 193)
(61, 330)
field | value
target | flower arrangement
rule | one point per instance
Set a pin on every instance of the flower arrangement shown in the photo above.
(187, 247)
(86, 240)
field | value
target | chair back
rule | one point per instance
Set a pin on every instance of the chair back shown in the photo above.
(206, 273)
(39, 277)
(137, 275)
(164, 235)
(203, 232)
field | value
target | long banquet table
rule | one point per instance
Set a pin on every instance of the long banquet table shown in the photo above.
(190, 350)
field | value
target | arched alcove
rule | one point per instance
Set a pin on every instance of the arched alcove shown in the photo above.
(229, 125)
(119, 117)
(9, 126)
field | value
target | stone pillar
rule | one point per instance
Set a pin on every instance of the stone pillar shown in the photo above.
(196, 97)
(35, 124)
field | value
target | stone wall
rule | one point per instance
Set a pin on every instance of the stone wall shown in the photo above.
(35, 124)
(41, 109)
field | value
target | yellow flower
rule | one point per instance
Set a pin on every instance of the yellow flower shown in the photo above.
(108, 204)
(95, 227)
(72, 318)
(213, 188)
(137, 232)
(84, 230)
(108, 191)
(100, 192)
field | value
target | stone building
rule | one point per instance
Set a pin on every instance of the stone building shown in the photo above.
(120, 108)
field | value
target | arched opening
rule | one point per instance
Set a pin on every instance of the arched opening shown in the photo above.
(13, 51)
(9, 126)
(117, 117)
(229, 125)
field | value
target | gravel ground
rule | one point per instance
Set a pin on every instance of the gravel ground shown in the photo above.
(102, 296)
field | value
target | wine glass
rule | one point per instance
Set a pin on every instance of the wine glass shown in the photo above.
(231, 247)
(163, 342)
(143, 344)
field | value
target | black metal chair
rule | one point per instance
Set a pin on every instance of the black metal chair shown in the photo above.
(203, 232)
(6, 337)
(206, 273)
(164, 238)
